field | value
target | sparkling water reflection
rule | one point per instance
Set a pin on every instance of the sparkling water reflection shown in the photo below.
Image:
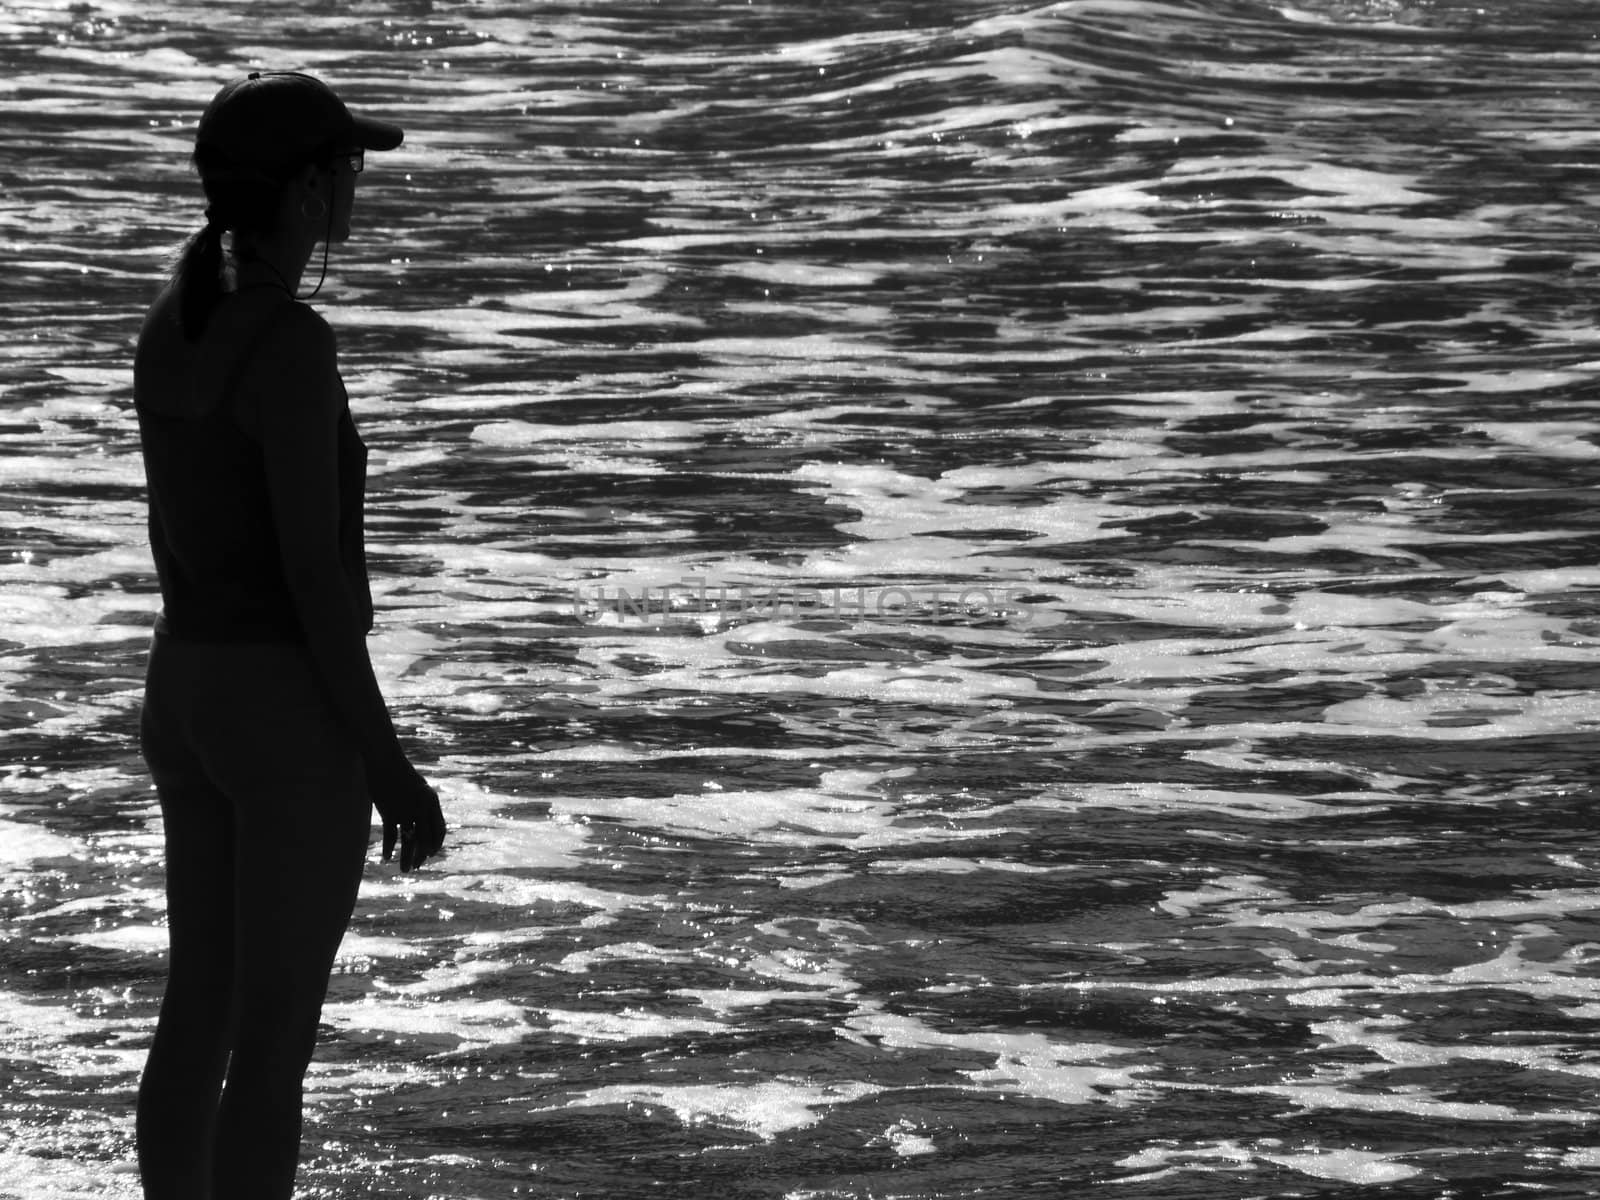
(1190, 796)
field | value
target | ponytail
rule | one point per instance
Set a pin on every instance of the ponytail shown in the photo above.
(242, 198)
(198, 279)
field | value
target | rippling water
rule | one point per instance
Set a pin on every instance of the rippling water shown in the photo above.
(1005, 596)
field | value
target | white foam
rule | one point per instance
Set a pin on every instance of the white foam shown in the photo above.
(731, 1000)
(1349, 1165)
(663, 435)
(133, 939)
(40, 1177)
(24, 842)
(1364, 1098)
(53, 1034)
(582, 961)
(445, 1026)
(790, 816)
(625, 1025)
(803, 274)
(362, 949)
(1029, 1064)
(1382, 1037)
(904, 1139)
(766, 1109)
(960, 866)
(1182, 798)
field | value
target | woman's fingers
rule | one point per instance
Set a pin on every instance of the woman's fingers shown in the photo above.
(420, 830)
(415, 847)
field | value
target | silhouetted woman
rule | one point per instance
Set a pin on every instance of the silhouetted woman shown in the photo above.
(263, 726)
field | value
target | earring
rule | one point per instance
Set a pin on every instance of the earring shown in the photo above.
(307, 211)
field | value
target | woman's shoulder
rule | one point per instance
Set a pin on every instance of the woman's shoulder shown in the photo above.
(163, 363)
(258, 341)
(291, 369)
(296, 324)
(293, 344)
(240, 320)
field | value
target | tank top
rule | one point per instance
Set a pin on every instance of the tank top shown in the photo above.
(212, 532)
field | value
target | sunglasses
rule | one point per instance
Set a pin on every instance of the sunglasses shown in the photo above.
(356, 160)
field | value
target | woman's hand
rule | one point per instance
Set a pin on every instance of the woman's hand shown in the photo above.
(410, 812)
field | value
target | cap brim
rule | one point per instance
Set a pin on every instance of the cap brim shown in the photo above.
(377, 135)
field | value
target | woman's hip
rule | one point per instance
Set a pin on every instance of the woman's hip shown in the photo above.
(240, 713)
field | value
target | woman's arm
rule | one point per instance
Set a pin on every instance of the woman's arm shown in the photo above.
(298, 407)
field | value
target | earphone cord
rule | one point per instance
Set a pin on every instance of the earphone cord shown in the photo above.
(326, 243)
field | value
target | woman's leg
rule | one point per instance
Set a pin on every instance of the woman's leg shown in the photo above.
(267, 820)
(184, 1072)
(299, 853)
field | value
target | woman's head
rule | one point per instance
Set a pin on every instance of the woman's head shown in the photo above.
(264, 130)
(271, 148)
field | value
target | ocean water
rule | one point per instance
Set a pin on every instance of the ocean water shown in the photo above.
(1003, 597)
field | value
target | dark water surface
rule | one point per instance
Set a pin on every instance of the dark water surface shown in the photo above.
(1005, 597)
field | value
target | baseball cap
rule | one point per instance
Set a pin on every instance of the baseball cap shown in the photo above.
(283, 118)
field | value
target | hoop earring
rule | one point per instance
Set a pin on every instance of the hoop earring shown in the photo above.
(306, 209)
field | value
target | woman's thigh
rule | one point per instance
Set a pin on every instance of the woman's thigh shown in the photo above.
(198, 831)
(252, 725)
(301, 821)
(300, 847)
